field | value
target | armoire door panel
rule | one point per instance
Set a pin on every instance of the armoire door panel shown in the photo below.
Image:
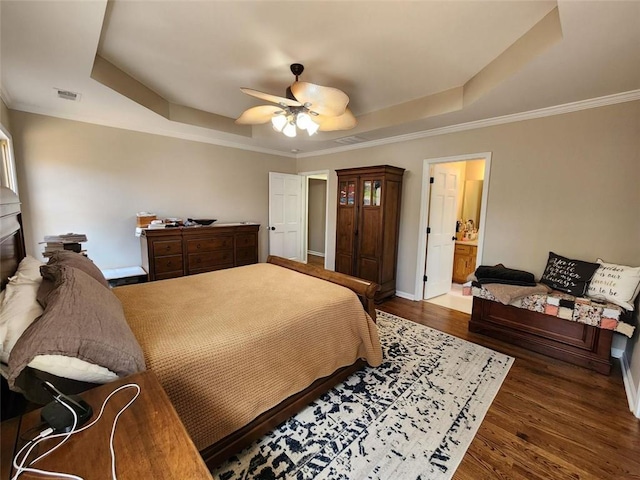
(345, 229)
(344, 264)
(368, 269)
(370, 232)
(390, 249)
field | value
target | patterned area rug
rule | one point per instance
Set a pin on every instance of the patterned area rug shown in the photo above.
(411, 418)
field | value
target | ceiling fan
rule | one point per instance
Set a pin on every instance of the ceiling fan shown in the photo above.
(306, 106)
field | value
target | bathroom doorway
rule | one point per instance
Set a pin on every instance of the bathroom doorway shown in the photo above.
(451, 240)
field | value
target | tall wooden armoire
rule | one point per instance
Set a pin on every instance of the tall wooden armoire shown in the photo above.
(368, 221)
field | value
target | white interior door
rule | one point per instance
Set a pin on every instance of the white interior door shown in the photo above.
(285, 215)
(442, 229)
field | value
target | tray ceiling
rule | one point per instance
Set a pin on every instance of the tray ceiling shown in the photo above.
(176, 67)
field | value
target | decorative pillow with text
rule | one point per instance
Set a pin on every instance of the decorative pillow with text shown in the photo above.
(568, 275)
(617, 284)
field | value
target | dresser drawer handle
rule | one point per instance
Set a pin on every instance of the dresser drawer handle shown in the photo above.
(168, 247)
(169, 263)
(198, 247)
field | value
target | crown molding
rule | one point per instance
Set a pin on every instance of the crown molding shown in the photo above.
(152, 130)
(614, 99)
(5, 97)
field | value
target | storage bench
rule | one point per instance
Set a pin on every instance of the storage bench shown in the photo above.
(577, 343)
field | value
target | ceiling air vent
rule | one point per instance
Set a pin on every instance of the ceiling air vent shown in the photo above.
(350, 140)
(67, 95)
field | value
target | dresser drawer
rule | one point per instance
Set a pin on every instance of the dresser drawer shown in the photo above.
(169, 263)
(246, 255)
(246, 240)
(167, 247)
(208, 259)
(209, 244)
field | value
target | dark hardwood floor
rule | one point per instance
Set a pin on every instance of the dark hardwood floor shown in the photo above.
(315, 260)
(550, 419)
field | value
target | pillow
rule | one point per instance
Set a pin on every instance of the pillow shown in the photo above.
(18, 310)
(44, 289)
(69, 259)
(567, 275)
(73, 368)
(82, 320)
(21, 312)
(28, 271)
(77, 260)
(617, 284)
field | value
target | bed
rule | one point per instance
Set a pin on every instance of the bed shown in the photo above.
(317, 332)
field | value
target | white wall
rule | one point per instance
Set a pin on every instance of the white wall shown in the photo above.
(91, 179)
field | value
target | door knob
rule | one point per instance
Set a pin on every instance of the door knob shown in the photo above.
(272, 228)
(453, 238)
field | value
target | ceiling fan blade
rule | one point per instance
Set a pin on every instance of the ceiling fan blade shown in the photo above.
(258, 115)
(342, 122)
(271, 98)
(323, 100)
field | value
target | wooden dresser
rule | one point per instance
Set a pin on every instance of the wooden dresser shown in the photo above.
(368, 221)
(175, 252)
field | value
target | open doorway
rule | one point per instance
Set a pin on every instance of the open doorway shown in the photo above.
(315, 238)
(298, 212)
(453, 210)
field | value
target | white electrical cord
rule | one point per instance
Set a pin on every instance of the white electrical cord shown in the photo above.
(31, 444)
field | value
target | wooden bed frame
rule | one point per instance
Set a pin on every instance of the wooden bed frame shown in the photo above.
(573, 342)
(11, 238)
(12, 250)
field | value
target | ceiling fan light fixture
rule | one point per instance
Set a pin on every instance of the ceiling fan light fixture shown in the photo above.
(302, 120)
(289, 130)
(312, 127)
(278, 122)
(306, 107)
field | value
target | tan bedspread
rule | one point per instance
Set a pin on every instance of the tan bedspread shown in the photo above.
(229, 345)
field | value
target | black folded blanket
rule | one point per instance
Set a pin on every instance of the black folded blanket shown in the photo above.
(504, 275)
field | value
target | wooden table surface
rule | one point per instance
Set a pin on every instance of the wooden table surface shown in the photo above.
(150, 440)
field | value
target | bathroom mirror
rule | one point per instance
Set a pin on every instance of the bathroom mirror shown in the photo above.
(471, 201)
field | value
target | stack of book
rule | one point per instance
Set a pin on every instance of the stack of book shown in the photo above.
(67, 241)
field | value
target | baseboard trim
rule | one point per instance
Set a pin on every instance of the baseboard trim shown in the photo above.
(629, 387)
(317, 254)
(408, 296)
